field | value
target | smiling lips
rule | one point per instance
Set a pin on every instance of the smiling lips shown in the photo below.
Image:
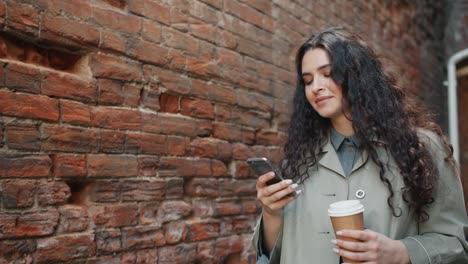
(322, 99)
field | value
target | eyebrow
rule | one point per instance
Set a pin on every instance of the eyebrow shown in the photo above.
(319, 68)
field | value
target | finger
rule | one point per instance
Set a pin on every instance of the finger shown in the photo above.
(262, 180)
(355, 256)
(282, 193)
(281, 203)
(351, 245)
(356, 234)
(271, 189)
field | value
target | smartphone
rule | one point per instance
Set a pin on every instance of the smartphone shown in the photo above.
(262, 166)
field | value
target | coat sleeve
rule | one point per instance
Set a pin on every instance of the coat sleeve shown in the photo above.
(442, 239)
(275, 254)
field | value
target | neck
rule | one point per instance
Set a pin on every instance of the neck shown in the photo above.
(343, 126)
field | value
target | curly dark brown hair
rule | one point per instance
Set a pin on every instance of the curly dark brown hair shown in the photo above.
(378, 107)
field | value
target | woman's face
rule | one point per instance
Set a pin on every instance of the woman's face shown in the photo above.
(323, 94)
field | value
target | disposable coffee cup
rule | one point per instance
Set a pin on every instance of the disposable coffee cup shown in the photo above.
(347, 214)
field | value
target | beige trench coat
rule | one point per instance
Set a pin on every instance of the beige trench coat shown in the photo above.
(307, 230)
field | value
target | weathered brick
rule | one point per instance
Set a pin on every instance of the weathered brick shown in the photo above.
(175, 232)
(105, 191)
(18, 193)
(197, 108)
(228, 245)
(75, 113)
(113, 40)
(116, 215)
(183, 253)
(203, 208)
(184, 167)
(29, 106)
(177, 146)
(110, 92)
(169, 103)
(23, 77)
(214, 92)
(65, 85)
(113, 118)
(224, 208)
(148, 52)
(202, 230)
(23, 136)
(115, 68)
(28, 223)
(55, 27)
(145, 256)
(69, 165)
(146, 143)
(151, 31)
(112, 166)
(115, 20)
(23, 17)
(53, 193)
(202, 187)
(17, 250)
(172, 210)
(131, 93)
(148, 166)
(150, 98)
(239, 187)
(72, 139)
(108, 241)
(132, 191)
(80, 10)
(112, 141)
(173, 125)
(25, 165)
(64, 248)
(142, 237)
(269, 137)
(175, 188)
(73, 218)
(151, 10)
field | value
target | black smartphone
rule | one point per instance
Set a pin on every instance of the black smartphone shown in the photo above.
(262, 166)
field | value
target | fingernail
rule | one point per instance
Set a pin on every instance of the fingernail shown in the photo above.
(298, 192)
(334, 241)
(336, 250)
(294, 186)
(339, 233)
(288, 181)
(271, 174)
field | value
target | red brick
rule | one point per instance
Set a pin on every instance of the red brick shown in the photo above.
(108, 241)
(73, 139)
(18, 193)
(23, 77)
(151, 31)
(133, 191)
(175, 82)
(214, 92)
(251, 207)
(254, 100)
(116, 215)
(146, 144)
(148, 213)
(104, 191)
(55, 28)
(115, 68)
(113, 118)
(227, 57)
(205, 31)
(204, 67)
(202, 230)
(148, 52)
(23, 136)
(173, 125)
(112, 141)
(69, 165)
(175, 188)
(64, 248)
(238, 187)
(23, 17)
(169, 103)
(269, 137)
(203, 187)
(131, 94)
(225, 208)
(203, 208)
(112, 166)
(151, 10)
(197, 108)
(203, 12)
(177, 146)
(115, 20)
(78, 9)
(110, 92)
(243, 170)
(75, 113)
(183, 253)
(68, 86)
(53, 193)
(113, 41)
(142, 237)
(73, 218)
(148, 166)
(28, 223)
(206, 251)
(184, 167)
(150, 99)
(146, 256)
(2, 17)
(170, 211)
(175, 232)
(25, 165)
(29, 106)
(16, 250)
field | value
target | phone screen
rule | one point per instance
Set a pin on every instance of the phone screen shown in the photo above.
(262, 166)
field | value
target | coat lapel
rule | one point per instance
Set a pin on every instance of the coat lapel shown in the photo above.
(330, 159)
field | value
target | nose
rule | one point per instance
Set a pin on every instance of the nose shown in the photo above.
(317, 85)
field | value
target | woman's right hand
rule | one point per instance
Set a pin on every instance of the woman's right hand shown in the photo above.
(274, 197)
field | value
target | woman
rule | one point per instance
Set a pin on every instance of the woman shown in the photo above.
(355, 135)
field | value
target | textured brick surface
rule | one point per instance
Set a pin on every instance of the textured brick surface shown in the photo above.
(125, 125)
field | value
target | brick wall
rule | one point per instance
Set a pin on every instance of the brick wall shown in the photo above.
(125, 125)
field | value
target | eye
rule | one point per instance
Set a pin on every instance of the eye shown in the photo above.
(308, 80)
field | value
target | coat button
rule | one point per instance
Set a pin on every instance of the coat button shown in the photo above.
(360, 194)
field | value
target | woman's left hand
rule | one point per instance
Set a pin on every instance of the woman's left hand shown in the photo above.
(372, 247)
